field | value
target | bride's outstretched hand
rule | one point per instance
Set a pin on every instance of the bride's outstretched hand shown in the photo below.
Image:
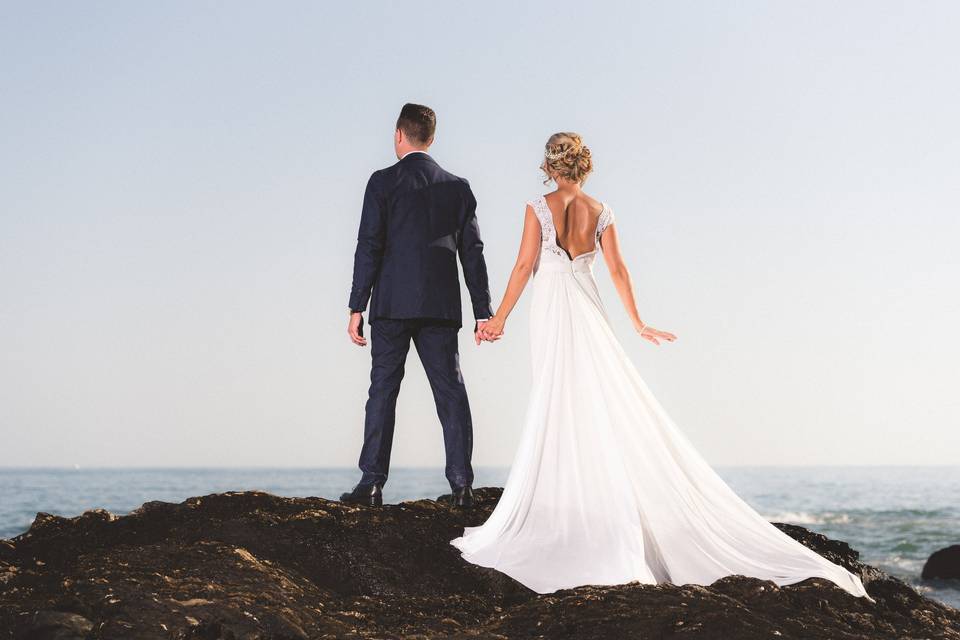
(654, 335)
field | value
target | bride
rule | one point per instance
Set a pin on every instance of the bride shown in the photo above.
(604, 488)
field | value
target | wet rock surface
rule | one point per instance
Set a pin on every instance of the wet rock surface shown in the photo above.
(253, 565)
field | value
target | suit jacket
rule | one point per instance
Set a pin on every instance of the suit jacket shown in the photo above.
(416, 220)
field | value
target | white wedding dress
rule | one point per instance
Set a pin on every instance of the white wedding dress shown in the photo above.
(604, 488)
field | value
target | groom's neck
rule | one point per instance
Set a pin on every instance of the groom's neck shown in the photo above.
(405, 150)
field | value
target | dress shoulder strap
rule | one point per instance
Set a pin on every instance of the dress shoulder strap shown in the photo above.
(605, 220)
(542, 212)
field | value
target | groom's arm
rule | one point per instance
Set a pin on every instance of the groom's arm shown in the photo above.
(370, 243)
(470, 249)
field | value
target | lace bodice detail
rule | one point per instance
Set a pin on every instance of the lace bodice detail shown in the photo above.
(548, 232)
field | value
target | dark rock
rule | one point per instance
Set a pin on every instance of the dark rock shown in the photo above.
(58, 625)
(253, 565)
(944, 563)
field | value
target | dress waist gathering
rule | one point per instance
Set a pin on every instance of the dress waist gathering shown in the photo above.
(569, 266)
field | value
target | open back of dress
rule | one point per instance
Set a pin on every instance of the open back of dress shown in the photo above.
(576, 227)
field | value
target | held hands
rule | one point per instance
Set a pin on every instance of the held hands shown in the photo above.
(489, 331)
(651, 334)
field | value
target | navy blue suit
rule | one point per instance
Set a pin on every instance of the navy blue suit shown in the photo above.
(417, 219)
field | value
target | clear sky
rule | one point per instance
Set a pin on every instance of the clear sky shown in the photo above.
(181, 187)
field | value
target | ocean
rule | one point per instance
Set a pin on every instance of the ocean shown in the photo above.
(896, 516)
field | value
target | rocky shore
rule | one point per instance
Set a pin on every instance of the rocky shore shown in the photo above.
(253, 565)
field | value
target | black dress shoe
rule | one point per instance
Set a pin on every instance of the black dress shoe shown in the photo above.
(462, 497)
(369, 495)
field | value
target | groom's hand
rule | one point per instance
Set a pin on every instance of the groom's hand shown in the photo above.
(478, 331)
(355, 329)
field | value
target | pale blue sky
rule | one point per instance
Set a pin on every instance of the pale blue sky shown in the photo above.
(181, 185)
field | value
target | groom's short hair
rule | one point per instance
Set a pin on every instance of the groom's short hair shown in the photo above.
(417, 122)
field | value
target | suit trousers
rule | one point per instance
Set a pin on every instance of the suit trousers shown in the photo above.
(436, 344)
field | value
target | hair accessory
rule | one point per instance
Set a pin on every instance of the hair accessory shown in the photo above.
(556, 155)
(576, 148)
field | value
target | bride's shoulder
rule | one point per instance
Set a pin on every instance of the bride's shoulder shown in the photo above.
(606, 218)
(537, 204)
(538, 207)
(598, 205)
(536, 200)
(595, 203)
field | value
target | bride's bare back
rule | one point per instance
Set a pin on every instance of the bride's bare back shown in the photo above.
(575, 218)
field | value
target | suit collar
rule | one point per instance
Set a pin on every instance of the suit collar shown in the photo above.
(416, 156)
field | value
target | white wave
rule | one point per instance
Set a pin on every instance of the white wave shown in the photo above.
(803, 517)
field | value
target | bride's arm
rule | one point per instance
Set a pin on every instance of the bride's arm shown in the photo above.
(620, 274)
(526, 258)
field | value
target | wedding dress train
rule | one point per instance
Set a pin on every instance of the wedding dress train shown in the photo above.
(604, 488)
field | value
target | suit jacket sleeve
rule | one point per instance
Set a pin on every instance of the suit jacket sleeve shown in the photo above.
(470, 249)
(370, 245)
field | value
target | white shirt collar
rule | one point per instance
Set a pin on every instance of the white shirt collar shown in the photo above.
(409, 152)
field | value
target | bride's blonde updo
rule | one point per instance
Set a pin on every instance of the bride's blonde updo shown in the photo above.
(565, 156)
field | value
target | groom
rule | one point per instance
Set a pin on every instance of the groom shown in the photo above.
(416, 219)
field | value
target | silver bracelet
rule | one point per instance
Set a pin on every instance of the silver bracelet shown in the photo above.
(643, 326)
